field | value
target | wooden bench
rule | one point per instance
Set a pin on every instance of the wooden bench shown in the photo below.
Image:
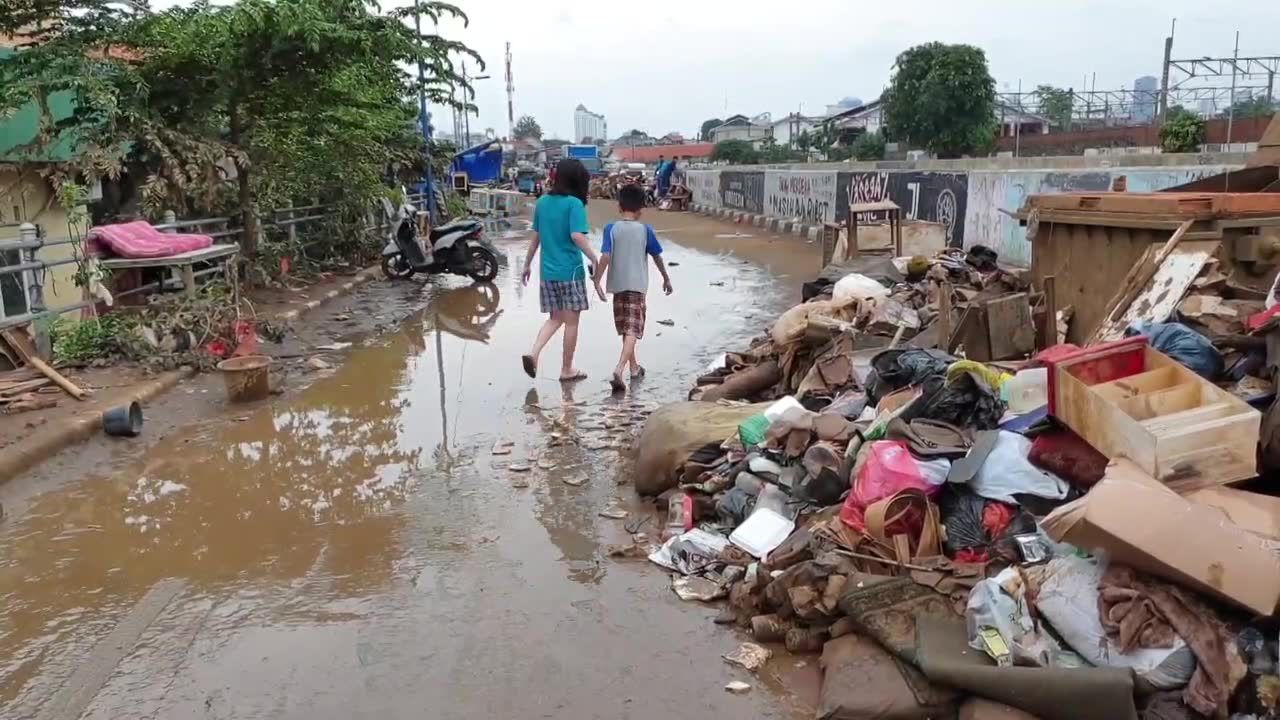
(182, 265)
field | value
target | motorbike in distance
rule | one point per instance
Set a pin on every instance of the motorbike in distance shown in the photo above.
(457, 247)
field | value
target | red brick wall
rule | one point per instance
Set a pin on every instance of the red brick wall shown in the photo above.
(1075, 143)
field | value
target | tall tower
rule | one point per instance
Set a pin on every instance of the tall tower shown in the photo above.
(511, 93)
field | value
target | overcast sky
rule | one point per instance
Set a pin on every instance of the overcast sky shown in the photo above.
(664, 66)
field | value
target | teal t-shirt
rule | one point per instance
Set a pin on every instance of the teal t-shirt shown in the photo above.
(555, 218)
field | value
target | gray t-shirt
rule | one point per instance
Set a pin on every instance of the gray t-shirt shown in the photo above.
(629, 243)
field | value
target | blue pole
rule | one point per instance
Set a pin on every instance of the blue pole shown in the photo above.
(424, 119)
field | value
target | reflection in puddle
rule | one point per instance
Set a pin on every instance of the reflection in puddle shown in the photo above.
(375, 479)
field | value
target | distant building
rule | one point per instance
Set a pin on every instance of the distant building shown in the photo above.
(688, 152)
(853, 122)
(740, 127)
(1146, 94)
(1014, 122)
(847, 103)
(588, 125)
(786, 130)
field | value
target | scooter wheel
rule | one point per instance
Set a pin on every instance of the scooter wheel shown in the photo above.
(484, 264)
(395, 267)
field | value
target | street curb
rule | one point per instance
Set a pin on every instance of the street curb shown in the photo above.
(49, 441)
(360, 278)
(780, 226)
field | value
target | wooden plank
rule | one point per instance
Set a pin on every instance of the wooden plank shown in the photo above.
(1145, 271)
(944, 315)
(1156, 301)
(1010, 329)
(1049, 329)
(1170, 400)
(22, 344)
(1178, 420)
(17, 388)
(1127, 387)
(213, 252)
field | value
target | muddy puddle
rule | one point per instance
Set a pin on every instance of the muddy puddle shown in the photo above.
(420, 527)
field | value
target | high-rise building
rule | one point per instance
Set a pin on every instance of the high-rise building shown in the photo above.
(588, 125)
(1146, 98)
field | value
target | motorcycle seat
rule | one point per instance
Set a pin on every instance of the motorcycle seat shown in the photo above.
(453, 226)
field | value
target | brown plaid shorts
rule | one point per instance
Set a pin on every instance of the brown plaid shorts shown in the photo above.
(628, 313)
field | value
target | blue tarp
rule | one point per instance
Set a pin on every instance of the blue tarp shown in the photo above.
(482, 163)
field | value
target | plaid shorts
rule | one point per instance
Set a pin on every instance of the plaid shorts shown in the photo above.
(556, 295)
(628, 313)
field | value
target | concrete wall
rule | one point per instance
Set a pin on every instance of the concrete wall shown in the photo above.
(966, 203)
(30, 199)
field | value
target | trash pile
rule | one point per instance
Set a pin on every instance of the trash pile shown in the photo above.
(1048, 537)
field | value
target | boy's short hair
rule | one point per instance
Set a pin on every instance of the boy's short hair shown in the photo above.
(630, 198)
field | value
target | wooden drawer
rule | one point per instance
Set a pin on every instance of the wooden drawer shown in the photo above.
(1129, 400)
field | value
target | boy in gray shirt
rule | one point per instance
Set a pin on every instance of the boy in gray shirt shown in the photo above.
(628, 245)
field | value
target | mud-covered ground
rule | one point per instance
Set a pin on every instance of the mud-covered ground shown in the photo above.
(354, 548)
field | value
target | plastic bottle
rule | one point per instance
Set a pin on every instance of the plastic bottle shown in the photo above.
(679, 516)
(1027, 390)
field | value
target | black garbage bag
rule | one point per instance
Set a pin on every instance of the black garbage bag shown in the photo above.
(967, 402)
(982, 258)
(1183, 344)
(902, 367)
(963, 513)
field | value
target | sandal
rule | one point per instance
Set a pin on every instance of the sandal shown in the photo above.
(616, 384)
(638, 374)
(530, 365)
(576, 376)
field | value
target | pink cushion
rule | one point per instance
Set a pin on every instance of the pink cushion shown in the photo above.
(138, 239)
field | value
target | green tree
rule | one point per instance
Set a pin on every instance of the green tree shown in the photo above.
(308, 98)
(527, 128)
(1183, 131)
(1055, 105)
(942, 98)
(868, 146)
(704, 133)
(1257, 107)
(735, 152)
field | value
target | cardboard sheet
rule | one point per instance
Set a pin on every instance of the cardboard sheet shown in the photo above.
(1257, 513)
(1128, 516)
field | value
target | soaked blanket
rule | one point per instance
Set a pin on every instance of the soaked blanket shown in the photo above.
(1141, 611)
(139, 239)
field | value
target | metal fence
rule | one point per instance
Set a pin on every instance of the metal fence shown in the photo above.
(23, 270)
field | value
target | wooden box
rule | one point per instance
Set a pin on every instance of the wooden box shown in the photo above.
(1129, 400)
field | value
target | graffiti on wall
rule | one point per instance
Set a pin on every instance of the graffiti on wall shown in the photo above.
(995, 193)
(807, 195)
(742, 190)
(704, 185)
(938, 197)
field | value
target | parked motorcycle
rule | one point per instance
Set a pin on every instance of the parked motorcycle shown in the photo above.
(456, 247)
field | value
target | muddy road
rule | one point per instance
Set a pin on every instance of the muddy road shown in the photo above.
(354, 548)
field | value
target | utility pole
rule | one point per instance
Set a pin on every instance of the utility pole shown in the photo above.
(1231, 109)
(1017, 123)
(1164, 74)
(424, 117)
(466, 127)
(511, 91)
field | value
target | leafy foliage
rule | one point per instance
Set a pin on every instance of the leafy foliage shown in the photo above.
(774, 154)
(735, 152)
(1257, 107)
(1055, 105)
(868, 146)
(704, 133)
(942, 98)
(78, 343)
(1183, 131)
(306, 100)
(527, 127)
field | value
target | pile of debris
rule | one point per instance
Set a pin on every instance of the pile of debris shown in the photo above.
(870, 482)
(26, 381)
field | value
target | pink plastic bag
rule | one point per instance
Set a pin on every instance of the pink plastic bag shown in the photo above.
(890, 468)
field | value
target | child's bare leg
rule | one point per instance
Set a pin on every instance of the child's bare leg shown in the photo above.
(629, 352)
